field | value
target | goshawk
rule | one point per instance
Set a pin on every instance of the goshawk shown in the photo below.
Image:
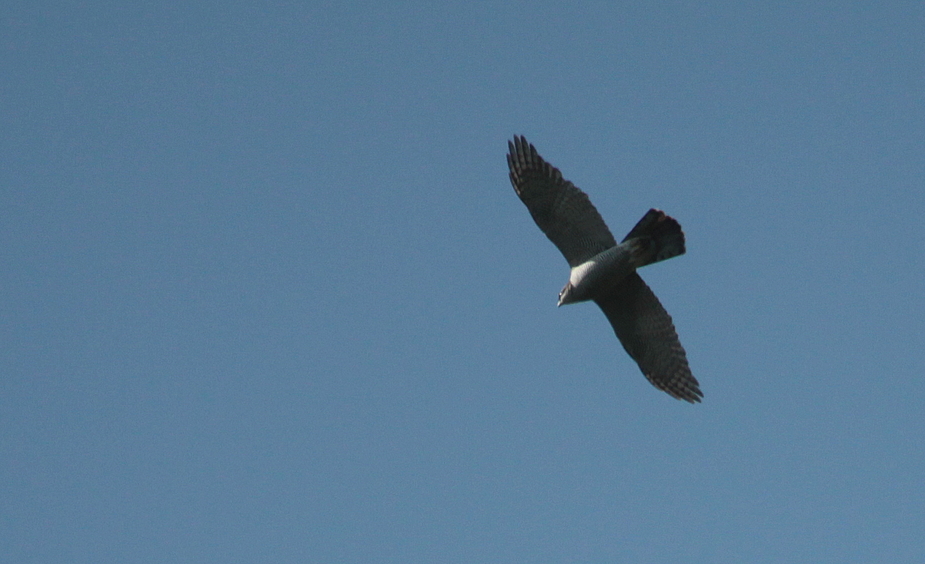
(604, 271)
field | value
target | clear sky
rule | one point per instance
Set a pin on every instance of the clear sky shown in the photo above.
(266, 293)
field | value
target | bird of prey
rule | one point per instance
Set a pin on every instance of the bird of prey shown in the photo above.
(604, 271)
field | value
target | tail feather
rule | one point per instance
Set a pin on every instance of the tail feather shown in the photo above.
(657, 237)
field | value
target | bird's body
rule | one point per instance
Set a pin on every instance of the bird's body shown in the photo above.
(604, 271)
(600, 272)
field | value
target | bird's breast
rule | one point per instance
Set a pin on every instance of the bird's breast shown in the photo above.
(601, 272)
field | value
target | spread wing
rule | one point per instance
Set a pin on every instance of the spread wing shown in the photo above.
(648, 335)
(562, 211)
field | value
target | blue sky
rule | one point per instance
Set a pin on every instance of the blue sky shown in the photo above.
(267, 294)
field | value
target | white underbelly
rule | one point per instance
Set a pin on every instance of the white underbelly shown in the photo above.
(602, 270)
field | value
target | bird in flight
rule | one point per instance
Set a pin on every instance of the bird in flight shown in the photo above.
(604, 271)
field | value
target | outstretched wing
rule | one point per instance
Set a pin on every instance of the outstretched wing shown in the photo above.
(562, 211)
(648, 335)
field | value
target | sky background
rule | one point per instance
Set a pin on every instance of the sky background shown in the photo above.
(266, 293)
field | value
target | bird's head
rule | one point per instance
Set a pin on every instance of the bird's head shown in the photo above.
(565, 295)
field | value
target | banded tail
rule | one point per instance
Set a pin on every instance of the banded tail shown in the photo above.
(655, 238)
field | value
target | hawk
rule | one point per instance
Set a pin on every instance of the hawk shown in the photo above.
(604, 271)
